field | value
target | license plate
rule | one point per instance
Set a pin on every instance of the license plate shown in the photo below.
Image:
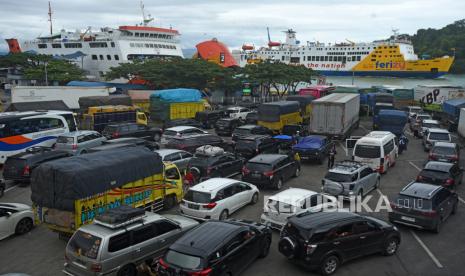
(408, 219)
(193, 206)
(443, 160)
(256, 175)
(304, 157)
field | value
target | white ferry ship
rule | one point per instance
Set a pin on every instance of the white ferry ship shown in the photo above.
(97, 51)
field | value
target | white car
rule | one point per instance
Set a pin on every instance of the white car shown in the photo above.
(179, 131)
(217, 198)
(238, 112)
(15, 218)
(293, 201)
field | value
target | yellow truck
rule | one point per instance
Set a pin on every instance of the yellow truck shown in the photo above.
(305, 102)
(275, 115)
(71, 192)
(141, 98)
(97, 117)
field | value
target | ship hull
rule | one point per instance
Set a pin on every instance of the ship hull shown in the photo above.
(391, 74)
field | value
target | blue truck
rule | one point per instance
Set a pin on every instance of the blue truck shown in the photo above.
(451, 112)
(392, 120)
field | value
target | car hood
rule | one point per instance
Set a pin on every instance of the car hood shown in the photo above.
(184, 222)
(16, 206)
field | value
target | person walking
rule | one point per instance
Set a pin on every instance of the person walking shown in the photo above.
(332, 156)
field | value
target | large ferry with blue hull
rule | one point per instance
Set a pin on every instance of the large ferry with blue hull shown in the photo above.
(394, 57)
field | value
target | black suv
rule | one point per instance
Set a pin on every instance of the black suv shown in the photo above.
(19, 167)
(226, 126)
(251, 118)
(216, 248)
(323, 241)
(448, 175)
(247, 130)
(125, 142)
(225, 164)
(192, 142)
(132, 130)
(291, 130)
(208, 118)
(423, 206)
(182, 122)
(250, 146)
(270, 170)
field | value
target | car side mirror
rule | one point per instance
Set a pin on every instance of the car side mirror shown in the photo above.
(8, 214)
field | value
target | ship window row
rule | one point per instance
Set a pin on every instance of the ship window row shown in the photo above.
(101, 57)
(333, 58)
(344, 48)
(77, 45)
(152, 35)
(151, 45)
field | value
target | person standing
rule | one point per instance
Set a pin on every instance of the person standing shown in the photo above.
(332, 156)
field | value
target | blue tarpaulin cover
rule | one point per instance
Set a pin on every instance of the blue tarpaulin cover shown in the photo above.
(177, 95)
(283, 137)
(310, 142)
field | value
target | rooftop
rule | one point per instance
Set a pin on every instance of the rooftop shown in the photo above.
(420, 190)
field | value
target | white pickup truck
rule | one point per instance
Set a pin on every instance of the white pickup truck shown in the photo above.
(238, 112)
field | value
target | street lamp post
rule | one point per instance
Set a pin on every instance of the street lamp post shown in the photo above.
(46, 75)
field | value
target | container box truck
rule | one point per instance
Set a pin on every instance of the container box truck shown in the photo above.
(393, 121)
(98, 117)
(451, 112)
(431, 97)
(71, 192)
(68, 94)
(305, 105)
(461, 126)
(335, 115)
(276, 115)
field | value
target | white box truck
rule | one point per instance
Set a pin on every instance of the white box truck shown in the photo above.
(461, 123)
(335, 115)
(68, 94)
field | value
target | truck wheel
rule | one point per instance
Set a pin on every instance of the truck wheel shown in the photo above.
(128, 270)
(169, 202)
(25, 225)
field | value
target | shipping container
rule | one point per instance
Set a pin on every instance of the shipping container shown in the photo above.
(431, 97)
(335, 114)
(162, 111)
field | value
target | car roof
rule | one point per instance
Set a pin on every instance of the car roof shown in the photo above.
(124, 140)
(252, 137)
(180, 128)
(445, 144)
(207, 238)
(438, 166)
(213, 184)
(292, 195)
(267, 158)
(235, 108)
(77, 133)
(164, 152)
(428, 121)
(438, 130)
(192, 136)
(420, 190)
(247, 127)
(121, 124)
(346, 166)
(313, 220)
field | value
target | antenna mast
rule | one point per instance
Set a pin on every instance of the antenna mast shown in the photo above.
(145, 20)
(50, 17)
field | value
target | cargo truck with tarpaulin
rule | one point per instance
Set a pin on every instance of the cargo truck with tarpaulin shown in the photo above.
(305, 105)
(173, 104)
(98, 117)
(431, 97)
(393, 121)
(451, 112)
(335, 115)
(276, 115)
(71, 192)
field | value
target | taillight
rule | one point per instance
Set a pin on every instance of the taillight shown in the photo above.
(311, 248)
(381, 168)
(431, 213)
(419, 178)
(245, 170)
(431, 156)
(210, 205)
(115, 135)
(209, 170)
(393, 205)
(269, 173)
(26, 171)
(96, 267)
(74, 146)
(204, 272)
(163, 264)
(449, 182)
(454, 158)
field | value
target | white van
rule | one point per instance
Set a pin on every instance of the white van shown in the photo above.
(378, 149)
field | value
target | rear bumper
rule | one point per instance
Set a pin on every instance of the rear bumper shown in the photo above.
(308, 155)
(274, 224)
(203, 215)
(406, 219)
(262, 181)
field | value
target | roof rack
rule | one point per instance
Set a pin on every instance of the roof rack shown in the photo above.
(120, 217)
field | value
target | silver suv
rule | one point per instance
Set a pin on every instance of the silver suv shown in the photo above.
(79, 142)
(120, 239)
(350, 178)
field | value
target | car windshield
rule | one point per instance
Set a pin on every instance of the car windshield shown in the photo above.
(198, 197)
(242, 131)
(404, 201)
(367, 151)
(438, 136)
(183, 260)
(281, 207)
(65, 140)
(110, 129)
(423, 117)
(339, 177)
(261, 167)
(415, 109)
(444, 150)
(169, 133)
(85, 244)
(434, 174)
(223, 122)
(430, 125)
(244, 143)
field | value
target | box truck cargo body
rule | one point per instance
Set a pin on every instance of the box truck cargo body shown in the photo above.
(68, 94)
(335, 115)
(461, 126)
(431, 97)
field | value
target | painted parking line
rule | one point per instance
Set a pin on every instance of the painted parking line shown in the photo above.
(430, 254)
(11, 188)
(415, 166)
(462, 200)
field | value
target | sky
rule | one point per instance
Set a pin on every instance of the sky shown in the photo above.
(235, 22)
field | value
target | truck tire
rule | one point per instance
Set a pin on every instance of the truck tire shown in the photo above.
(169, 202)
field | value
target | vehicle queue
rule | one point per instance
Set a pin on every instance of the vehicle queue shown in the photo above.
(198, 170)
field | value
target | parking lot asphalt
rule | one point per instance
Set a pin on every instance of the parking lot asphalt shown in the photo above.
(40, 252)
